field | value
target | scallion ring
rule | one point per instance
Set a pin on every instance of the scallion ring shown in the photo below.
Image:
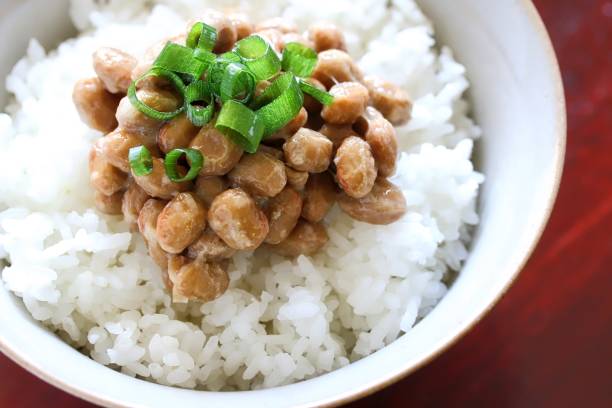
(199, 103)
(146, 109)
(202, 36)
(194, 158)
(140, 160)
(282, 101)
(216, 71)
(258, 56)
(238, 83)
(180, 60)
(322, 96)
(299, 59)
(243, 126)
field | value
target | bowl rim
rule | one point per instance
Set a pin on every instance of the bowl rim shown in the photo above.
(558, 160)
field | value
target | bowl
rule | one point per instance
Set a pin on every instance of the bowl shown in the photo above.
(517, 99)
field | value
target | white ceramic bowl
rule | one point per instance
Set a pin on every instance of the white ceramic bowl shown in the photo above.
(518, 101)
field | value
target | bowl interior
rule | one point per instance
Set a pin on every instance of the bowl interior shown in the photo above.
(518, 101)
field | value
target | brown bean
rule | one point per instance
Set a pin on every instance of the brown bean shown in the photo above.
(334, 66)
(350, 101)
(104, 177)
(283, 212)
(234, 216)
(277, 23)
(147, 219)
(197, 280)
(115, 147)
(226, 30)
(176, 134)
(242, 24)
(380, 135)
(150, 55)
(134, 121)
(133, 201)
(326, 36)
(296, 179)
(157, 184)
(108, 204)
(271, 151)
(147, 225)
(290, 128)
(392, 101)
(220, 152)
(207, 188)
(309, 151)
(305, 239)
(319, 197)
(260, 174)
(384, 205)
(161, 258)
(210, 247)
(273, 37)
(355, 167)
(310, 103)
(114, 67)
(180, 223)
(95, 105)
(337, 133)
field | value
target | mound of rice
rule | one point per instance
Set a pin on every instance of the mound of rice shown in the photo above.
(86, 277)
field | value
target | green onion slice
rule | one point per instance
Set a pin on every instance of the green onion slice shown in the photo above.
(238, 84)
(180, 60)
(258, 56)
(299, 59)
(282, 101)
(149, 111)
(243, 126)
(216, 71)
(194, 158)
(324, 97)
(140, 160)
(202, 36)
(199, 103)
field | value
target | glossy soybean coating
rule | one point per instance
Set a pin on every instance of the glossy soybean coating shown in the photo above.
(308, 151)
(96, 105)
(283, 213)
(235, 217)
(180, 223)
(196, 279)
(384, 204)
(114, 68)
(278, 196)
(355, 167)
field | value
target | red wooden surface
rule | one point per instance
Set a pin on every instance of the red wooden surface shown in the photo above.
(549, 341)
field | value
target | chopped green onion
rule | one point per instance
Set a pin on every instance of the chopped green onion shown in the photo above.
(199, 103)
(322, 96)
(180, 60)
(258, 56)
(282, 101)
(207, 57)
(202, 36)
(238, 83)
(194, 158)
(240, 124)
(216, 71)
(149, 111)
(299, 59)
(140, 160)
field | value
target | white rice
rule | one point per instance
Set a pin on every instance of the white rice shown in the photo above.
(86, 277)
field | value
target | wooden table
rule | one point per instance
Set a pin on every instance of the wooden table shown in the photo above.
(549, 341)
